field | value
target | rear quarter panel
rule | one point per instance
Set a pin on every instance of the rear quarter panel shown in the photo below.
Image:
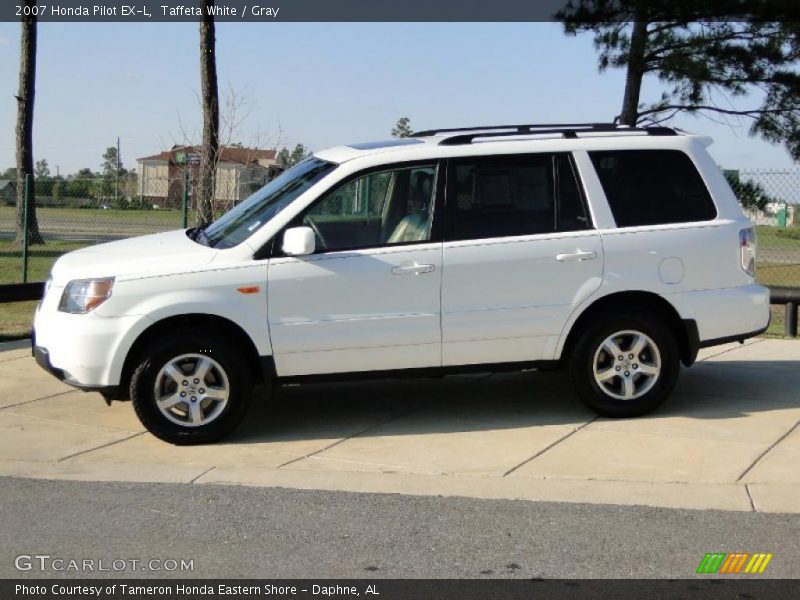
(688, 264)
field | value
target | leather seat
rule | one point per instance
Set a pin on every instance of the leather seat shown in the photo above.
(412, 228)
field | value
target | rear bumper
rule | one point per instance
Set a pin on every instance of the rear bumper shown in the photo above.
(724, 316)
(739, 337)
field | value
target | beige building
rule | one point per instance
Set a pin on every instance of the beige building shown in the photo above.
(240, 171)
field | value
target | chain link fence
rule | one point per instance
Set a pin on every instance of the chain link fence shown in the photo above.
(771, 198)
(75, 213)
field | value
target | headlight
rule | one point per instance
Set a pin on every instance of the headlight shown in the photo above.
(83, 295)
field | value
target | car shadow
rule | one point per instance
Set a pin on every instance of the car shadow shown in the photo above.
(483, 402)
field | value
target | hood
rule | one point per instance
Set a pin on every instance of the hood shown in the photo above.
(145, 256)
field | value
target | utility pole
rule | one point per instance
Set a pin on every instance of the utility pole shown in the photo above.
(116, 178)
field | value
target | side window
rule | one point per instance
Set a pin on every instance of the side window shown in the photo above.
(572, 215)
(378, 209)
(515, 195)
(652, 187)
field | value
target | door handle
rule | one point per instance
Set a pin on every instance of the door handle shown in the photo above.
(412, 269)
(578, 255)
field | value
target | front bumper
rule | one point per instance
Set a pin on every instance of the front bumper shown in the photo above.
(84, 351)
(42, 358)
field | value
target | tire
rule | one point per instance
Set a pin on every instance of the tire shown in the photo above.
(638, 382)
(194, 409)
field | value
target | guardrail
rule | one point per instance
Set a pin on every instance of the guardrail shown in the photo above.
(20, 292)
(790, 297)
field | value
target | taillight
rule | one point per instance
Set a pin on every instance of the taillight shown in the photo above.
(747, 247)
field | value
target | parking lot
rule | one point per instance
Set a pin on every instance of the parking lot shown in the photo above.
(727, 439)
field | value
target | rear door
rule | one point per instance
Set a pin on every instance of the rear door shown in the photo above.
(520, 253)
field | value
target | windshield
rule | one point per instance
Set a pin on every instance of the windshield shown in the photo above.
(241, 222)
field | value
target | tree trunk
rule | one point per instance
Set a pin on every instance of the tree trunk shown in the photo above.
(25, 97)
(636, 66)
(209, 152)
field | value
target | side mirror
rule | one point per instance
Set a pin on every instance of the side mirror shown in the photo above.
(299, 241)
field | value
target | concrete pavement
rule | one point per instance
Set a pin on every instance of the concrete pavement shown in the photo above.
(727, 439)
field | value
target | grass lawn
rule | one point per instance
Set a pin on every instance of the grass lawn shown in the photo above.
(15, 320)
(778, 237)
(40, 259)
(170, 219)
(778, 274)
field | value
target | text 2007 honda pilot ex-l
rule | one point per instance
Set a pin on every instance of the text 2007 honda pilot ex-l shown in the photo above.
(615, 252)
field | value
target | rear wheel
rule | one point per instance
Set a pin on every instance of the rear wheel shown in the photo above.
(625, 366)
(191, 390)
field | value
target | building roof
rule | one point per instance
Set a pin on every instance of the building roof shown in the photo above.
(228, 154)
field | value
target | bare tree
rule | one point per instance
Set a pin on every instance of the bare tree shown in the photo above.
(236, 108)
(210, 101)
(25, 97)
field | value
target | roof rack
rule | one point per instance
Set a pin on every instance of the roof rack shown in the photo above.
(466, 135)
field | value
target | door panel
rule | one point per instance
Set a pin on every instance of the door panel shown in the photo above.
(506, 300)
(361, 310)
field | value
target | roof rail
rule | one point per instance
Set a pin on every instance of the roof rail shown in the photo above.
(466, 135)
(525, 128)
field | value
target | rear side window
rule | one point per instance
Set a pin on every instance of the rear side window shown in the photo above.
(514, 195)
(652, 187)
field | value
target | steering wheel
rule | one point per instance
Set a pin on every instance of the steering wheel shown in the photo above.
(317, 233)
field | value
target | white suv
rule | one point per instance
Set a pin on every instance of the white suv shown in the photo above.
(616, 252)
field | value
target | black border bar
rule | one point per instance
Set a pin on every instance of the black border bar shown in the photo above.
(710, 587)
(389, 11)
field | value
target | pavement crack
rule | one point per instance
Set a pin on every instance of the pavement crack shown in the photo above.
(768, 450)
(203, 474)
(548, 447)
(63, 458)
(7, 360)
(734, 349)
(750, 497)
(37, 399)
(344, 439)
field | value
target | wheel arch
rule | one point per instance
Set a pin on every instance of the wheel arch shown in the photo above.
(222, 326)
(685, 330)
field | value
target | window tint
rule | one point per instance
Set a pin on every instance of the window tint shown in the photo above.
(572, 214)
(515, 195)
(652, 187)
(389, 207)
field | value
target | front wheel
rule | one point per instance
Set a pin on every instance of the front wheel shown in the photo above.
(625, 366)
(191, 390)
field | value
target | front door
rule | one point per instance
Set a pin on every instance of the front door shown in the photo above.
(368, 299)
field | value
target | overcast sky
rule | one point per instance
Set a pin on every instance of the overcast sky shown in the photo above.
(319, 84)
